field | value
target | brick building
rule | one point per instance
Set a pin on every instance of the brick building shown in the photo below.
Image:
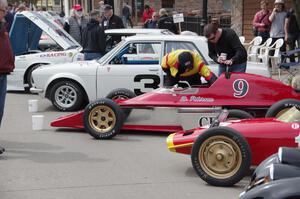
(238, 13)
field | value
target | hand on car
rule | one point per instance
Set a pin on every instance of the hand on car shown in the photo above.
(220, 60)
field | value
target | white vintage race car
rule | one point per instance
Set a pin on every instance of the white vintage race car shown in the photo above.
(38, 40)
(134, 64)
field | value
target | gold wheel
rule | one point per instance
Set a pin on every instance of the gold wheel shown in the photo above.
(220, 157)
(120, 97)
(102, 119)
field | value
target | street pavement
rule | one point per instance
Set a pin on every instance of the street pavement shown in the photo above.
(65, 163)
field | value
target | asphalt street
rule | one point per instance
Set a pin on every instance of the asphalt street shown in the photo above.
(65, 163)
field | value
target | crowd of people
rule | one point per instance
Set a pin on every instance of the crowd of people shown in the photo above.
(277, 24)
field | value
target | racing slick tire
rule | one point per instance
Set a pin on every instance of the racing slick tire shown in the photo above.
(282, 106)
(238, 114)
(66, 96)
(122, 93)
(221, 156)
(103, 118)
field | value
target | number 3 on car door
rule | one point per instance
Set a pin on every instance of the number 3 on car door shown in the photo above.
(154, 84)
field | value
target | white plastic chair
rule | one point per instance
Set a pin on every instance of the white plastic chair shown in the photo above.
(253, 47)
(263, 52)
(276, 58)
(242, 39)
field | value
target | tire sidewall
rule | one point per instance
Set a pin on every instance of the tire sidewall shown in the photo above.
(78, 101)
(119, 118)
(240, 114)
(238, 139)
(121, 91)
(280, 105)
(125, 92)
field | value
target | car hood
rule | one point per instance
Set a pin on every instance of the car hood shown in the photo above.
(79, 67)
(30, 25)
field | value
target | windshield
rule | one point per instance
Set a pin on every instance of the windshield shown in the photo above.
(292, 115)
(112, 51)
(56, 30)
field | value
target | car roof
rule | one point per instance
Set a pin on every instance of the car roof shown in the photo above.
(135, 31)
(166, 38)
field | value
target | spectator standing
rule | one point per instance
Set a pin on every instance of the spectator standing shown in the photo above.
(292, 32)
(147, 14)
(101, 9)
(166, 22)
(225, 48)
(126, 14)
(261, 21)
(93, 38)
(76, 23)
(152, 23)
(112, 21)
(6, 60)
(277, 19)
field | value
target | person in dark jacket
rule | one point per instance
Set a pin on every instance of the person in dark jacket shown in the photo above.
(225, 48)
(292, 32)
(111, 21)
(7, 59)
(166, 22)
(93, 38)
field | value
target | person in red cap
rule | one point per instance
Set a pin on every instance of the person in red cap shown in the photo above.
(76, 23)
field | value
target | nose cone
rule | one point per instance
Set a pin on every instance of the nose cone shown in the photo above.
(170, 143)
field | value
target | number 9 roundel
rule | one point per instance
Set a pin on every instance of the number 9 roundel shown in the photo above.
(240, 87)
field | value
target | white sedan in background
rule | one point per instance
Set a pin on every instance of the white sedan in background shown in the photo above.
(132, 67)
(38, 40)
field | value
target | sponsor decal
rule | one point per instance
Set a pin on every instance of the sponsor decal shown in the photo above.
(205, 120)
(58, 54)
(196, 99)
(295, 126)
(240, 87)
(70, 54)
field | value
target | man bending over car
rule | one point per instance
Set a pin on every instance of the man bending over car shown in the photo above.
(186, 65)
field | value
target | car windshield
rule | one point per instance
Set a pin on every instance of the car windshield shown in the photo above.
(55, 29)
(292, 115)
(108, 54)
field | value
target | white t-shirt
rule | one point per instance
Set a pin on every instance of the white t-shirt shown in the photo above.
(277, 26)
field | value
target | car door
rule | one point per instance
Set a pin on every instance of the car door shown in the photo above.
(136, 67)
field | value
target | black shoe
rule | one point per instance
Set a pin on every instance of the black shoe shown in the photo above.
(2, 150)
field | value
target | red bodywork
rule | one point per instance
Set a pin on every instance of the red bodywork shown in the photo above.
(264, 135)
(241, 91)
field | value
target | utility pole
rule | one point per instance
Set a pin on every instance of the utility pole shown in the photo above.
(204, 16)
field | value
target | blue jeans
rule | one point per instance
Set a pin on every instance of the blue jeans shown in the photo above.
(91, 56)
(3, 85)
(233, 68)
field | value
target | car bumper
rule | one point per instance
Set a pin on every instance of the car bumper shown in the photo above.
(36, 90)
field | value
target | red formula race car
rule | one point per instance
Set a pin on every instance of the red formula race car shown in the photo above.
(223, 152)
(174, 109)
